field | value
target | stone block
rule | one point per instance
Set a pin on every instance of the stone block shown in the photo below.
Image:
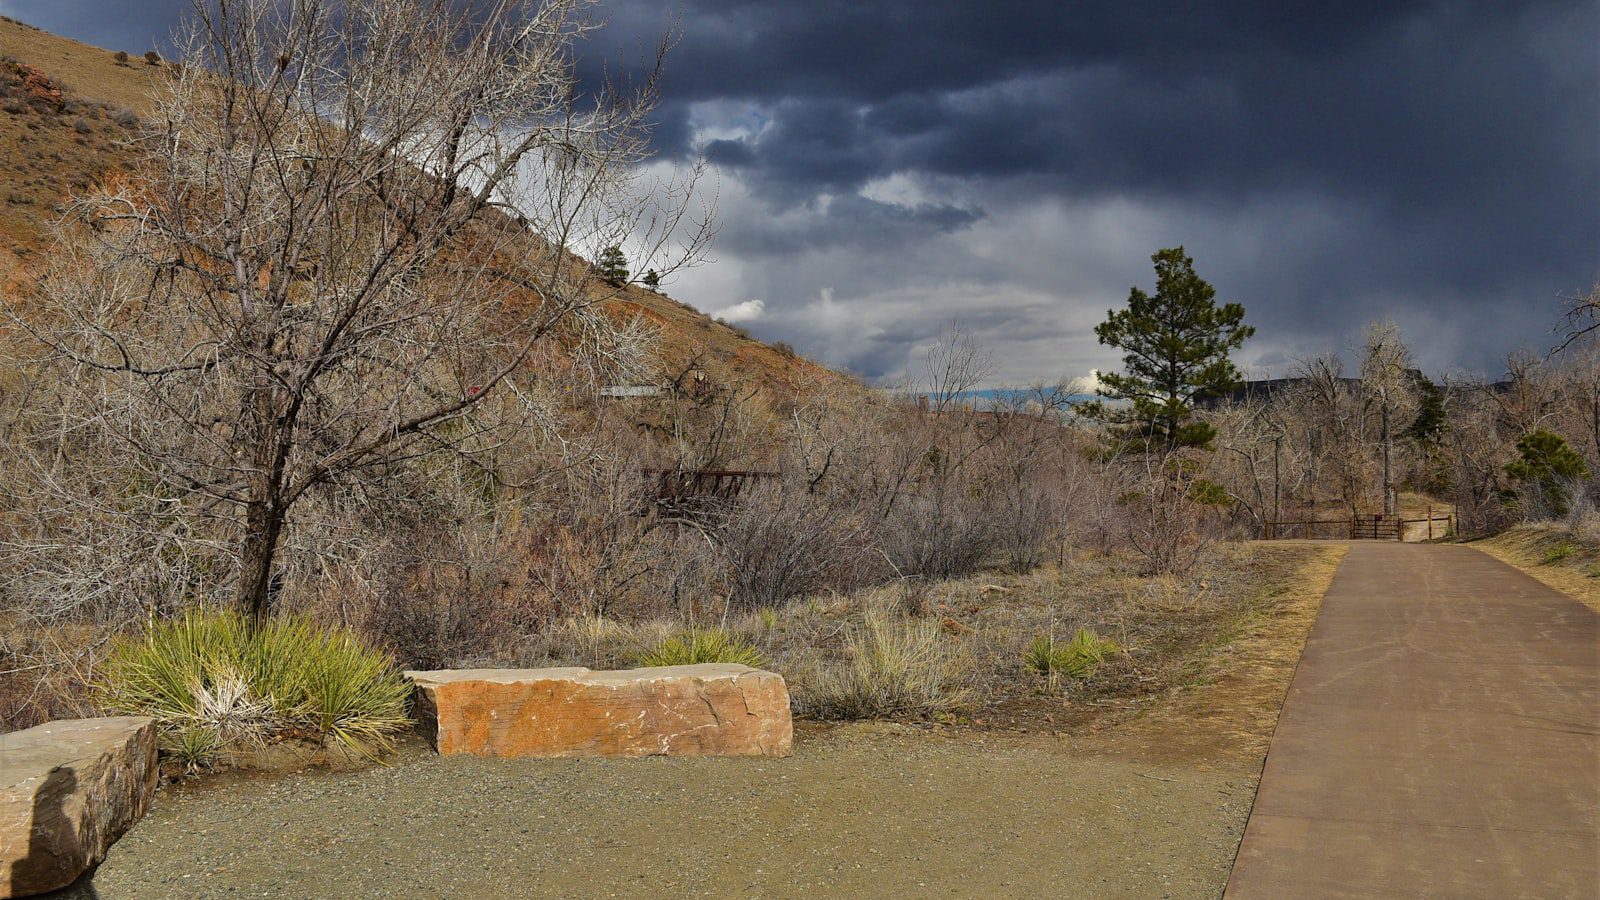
(703, 710)
(68, 791)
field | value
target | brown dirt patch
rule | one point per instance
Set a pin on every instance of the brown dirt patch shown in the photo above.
(1228, 713)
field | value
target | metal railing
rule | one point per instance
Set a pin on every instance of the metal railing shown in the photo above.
(1359, 528)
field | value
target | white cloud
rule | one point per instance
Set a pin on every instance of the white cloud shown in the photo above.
(748, 311)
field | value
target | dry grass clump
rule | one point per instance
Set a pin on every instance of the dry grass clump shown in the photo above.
(889, 666)
(1563, 555)
(701, 645)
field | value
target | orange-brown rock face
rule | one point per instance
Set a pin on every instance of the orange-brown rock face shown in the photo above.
(704, 710)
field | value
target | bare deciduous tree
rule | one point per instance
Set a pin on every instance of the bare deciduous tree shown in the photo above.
(351, 226)
(1386, 382)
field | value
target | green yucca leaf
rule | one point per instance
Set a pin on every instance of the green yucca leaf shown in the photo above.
(1076, 658)
(214, 684)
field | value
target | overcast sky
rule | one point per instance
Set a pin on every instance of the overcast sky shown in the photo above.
(885, 167)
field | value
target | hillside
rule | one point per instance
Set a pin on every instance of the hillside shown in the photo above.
(67, 111)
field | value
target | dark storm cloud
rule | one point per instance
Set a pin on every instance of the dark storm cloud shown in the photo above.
(1459, 135)
(1326, 163)
(131, 25)
(1402, 102)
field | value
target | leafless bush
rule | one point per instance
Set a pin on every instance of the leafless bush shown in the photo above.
(946, 529)
(1164, 523)
(781, 542)
(1040, 475)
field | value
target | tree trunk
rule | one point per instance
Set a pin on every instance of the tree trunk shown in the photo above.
(258, 551)
(265, 511)
(1277, 479)
(1388, 482)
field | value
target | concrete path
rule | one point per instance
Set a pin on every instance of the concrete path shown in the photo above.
(1441, 738)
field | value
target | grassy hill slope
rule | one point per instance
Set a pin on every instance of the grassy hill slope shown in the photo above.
(52, 145)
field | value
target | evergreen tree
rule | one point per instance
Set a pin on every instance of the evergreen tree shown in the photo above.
(1546, 467)
(613, 265)
(652, 280)
(1176, 344)
(1429, 424)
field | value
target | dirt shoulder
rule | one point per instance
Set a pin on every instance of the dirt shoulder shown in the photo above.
(1226, 713)
(1148, 797)
(1551, 555)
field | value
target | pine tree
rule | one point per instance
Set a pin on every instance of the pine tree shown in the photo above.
(652, 280)
(1176, 344)
(1546, 467)
(613, 265)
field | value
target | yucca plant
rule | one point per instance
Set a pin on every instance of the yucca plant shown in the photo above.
(702, 645)
(1077, 658)
(351, 693)
(216, 686)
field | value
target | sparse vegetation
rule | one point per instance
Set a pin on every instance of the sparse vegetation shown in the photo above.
(1560, 551)
(891, 666)
(702, 645)
(736, 328)
(1564, 555)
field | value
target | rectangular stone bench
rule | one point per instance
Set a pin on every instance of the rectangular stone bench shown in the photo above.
(703, 710)
(68, 790)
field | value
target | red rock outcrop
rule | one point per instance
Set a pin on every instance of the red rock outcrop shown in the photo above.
(39, 86)
(704, 710)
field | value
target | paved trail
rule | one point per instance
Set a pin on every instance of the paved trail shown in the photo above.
(1441, 738)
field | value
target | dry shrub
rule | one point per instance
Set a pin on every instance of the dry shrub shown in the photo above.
(1164, 521)
(781, 542)
(945, 530)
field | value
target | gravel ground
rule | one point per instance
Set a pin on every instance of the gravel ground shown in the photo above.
(857, 811)
(1146, 800)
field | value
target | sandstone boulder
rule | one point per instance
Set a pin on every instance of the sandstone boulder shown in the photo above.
(704, 710)
(68, 790)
